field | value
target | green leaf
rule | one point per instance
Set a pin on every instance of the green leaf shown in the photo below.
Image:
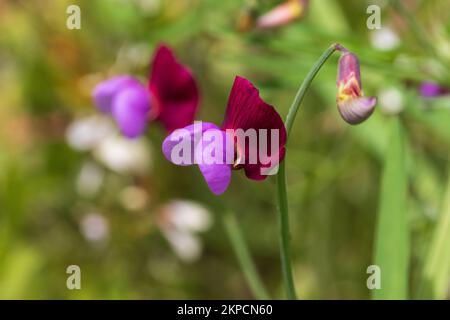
(391, 242)
(436, 271)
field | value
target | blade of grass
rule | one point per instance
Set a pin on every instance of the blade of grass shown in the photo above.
(436, 271)
(391, 242)
(243, 255)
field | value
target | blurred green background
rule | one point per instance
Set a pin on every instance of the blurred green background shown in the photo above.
(73, 192)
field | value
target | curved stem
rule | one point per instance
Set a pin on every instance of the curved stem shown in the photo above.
(306, 84)
(244, 258)
(285, 251)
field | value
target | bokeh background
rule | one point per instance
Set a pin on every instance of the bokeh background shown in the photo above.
(72, 191)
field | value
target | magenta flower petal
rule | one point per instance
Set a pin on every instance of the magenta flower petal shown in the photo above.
(191, 135)
(175, 90)
(349, 70)
(105, 91)
(130, 108)
(256, 171)
(246, 110)
(214, 168)
(430, 89)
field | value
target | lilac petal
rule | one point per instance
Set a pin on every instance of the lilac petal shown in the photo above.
(185, 140)
(212, 165)
(130, 109)
(217, 176)
(356, 110)
(105, 91)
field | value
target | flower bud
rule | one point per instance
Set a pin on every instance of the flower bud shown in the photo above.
(353, 106)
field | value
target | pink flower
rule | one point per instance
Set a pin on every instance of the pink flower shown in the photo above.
(171, 96)
(246, 113)
(283, 14)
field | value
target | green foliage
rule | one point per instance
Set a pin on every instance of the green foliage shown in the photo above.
(333, 174)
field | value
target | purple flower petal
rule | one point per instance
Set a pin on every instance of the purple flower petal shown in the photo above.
(130, 108)
(356, 110)
(348, 68)
(184, 140)
(105, 91)
(212, 165)
(430, 90)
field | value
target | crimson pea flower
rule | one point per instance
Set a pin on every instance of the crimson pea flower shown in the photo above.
(219, 150)
(171, 96)
(353, 106)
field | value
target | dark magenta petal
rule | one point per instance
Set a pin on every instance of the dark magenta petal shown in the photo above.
(174, 89)
(246, 110)
(130, 109)
(257, 172)
(105, 91)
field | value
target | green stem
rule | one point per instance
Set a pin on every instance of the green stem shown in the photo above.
(243, 255)
(286, 260)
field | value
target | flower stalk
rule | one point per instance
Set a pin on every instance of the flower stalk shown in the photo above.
(285, 238)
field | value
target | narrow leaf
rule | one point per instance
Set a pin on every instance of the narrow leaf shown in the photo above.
(391, 242)
(436, 271)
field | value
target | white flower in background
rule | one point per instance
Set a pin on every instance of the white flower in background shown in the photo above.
(133, 56)
(384, 39)
(179, 221)
(134, 198)
(123, 155)
(90, 179)
(391, 100)
(189, 215)
(86, 133)
(188, 247)
(149, 6)
(94, 227)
